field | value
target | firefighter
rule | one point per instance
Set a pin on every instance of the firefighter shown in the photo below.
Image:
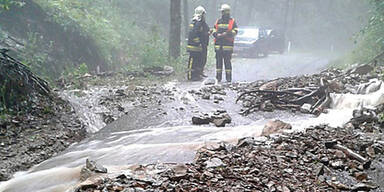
(196, 42)
(225, 31)
(205, 42)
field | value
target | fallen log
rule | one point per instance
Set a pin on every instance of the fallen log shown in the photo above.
(307, 98)
(267, 91)
(308, 90)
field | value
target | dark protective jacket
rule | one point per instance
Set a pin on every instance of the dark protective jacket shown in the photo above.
(198, 36)
(229, 26)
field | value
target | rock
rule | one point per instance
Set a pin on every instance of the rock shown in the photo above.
(90, 168)
(219, 122)
(306, 108)
(93, 166)
(361, 69)
(120, 92)
(209, 82)
(206, 96)
(218, 98)
(276, 126)
(120, 108)
(180, 171)
(361, 176)
(222, 120)
(336, 86)
(247, 141)
(272, 85)
(201, 120)
(363, 187)
(214, 163)
(340, 155)
(267, 106)
(108, 118)
(337, 164)
(4, 176)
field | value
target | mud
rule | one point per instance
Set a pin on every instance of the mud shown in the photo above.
(31, 137)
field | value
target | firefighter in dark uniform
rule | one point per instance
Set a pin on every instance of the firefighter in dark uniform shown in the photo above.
(225, 31)
(196, 42)
(205, 42)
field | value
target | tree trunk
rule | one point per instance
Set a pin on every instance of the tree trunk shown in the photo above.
(286, 19)
(186, 18)
(175, 29)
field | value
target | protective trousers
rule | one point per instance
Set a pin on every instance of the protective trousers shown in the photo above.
(194, 66)
(223, 57)
(204, 59)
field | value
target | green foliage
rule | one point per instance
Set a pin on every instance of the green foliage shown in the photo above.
(3, 100)
(81, 70)
(370, 40)
(381, 117)
(114, 26)
(73, 72)
(6, 4)
(35, 57)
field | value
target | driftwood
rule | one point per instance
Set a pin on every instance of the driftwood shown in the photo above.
(349, 153)
(266, 91)
(289, 98)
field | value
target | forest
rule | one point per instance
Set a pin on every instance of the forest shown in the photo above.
(129, 35)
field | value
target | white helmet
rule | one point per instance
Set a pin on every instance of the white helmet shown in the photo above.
(225, 8)
(199, 11)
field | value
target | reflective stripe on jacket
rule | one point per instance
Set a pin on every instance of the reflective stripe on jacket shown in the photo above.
(195, 36)
(230, 27)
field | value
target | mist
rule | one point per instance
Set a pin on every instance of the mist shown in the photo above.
(325, 26)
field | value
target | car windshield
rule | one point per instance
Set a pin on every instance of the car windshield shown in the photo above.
(248, 34)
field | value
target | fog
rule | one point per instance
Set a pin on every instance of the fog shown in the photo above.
(310, 25)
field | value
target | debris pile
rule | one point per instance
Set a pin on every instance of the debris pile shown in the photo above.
(306, 94)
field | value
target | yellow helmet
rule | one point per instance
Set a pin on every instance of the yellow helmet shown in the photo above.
(200, 10)
(225, 8)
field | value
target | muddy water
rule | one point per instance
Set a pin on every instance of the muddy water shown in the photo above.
(150, 136)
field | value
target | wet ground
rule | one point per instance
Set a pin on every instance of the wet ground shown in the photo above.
(275, 66)
(156, 126)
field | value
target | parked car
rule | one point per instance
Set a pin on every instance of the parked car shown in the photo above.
(251, 42)
(276, 41)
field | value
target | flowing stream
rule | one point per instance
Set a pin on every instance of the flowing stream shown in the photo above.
(172, 140)
(145, 136)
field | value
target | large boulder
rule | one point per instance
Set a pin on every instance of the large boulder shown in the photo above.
(201, 120)
(275, 126)
(221, 120)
